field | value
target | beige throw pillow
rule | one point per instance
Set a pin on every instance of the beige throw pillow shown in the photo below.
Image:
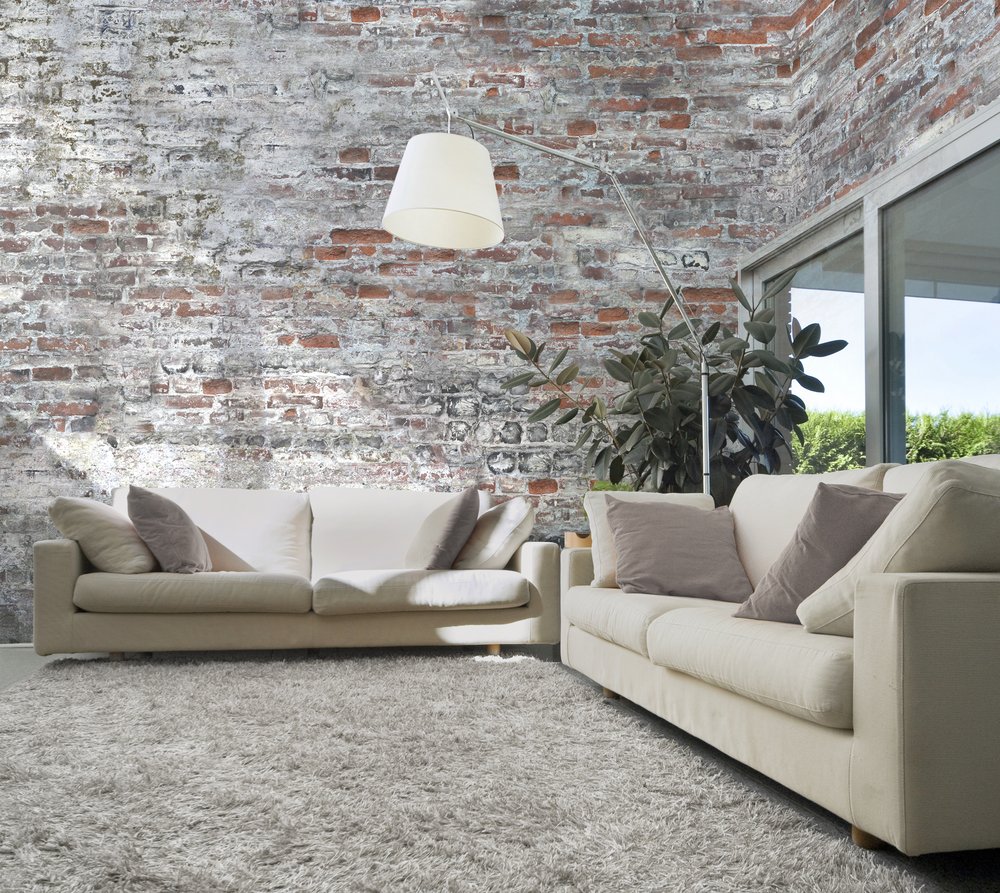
(444, 532)
(669, 549)
(949, 521)
(498, 534)
(603, 546)
(169, 532)
(107, 538)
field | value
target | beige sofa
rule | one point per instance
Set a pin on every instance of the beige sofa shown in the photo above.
(897, 730)
(295, 570)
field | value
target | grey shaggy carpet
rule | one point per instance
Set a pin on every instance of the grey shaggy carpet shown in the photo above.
(378, 772)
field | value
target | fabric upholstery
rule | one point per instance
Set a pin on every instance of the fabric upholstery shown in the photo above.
(620, 617)
(839, 521)
(169, 532)
(57, 566)
(604, 552)
(444, 532)
(767, 510)
(262, 530)
(949, 521)
(669, 549)
(902, 478)
(776, 664)
(106, 536)
(353, 592)
(197, 593)
(366, 529)
(497, 535)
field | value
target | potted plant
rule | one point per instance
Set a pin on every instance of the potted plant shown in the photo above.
(649, 433)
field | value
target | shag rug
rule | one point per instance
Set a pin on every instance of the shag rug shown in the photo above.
(379, 772)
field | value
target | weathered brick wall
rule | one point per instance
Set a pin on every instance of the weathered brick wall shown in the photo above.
(194, 286)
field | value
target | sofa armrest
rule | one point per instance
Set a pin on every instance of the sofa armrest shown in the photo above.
(58, 563)
(539, 562)
(576, 569)
(925, 771)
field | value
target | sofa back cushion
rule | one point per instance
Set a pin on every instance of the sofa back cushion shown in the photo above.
(767, 510)
(261, 530)
(366, 529)
(902, 478)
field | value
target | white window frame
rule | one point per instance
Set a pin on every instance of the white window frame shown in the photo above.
(861, 212)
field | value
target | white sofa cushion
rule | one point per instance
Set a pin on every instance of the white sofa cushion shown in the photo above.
(596, 505)
(623, 618)
(498, 534)
(106, 536)
(902, 478)
(262, 530)
(949, 521)
(366, 529)
(767, 510)
(213, 592)
(776, 664)
(383, 591)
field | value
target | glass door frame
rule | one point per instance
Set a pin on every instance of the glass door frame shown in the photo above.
(861, 212)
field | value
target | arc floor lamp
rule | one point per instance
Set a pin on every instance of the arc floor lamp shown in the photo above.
(445, 196)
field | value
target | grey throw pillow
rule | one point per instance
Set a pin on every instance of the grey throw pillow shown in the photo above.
(169, 532)
(669, 549)
(839, 521)
(444, 532)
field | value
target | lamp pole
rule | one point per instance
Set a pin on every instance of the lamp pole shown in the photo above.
(674, 293)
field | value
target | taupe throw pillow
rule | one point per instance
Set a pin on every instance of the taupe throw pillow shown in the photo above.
(444, 532)
(169, 532)
(669, 549)
(839, 521)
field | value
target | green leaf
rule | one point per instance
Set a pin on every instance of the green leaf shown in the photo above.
(759, 396)
(649, 320)
(806, 339)
(600, 409)
(721, 383)
(679, 331)
(567, 417)
(732, 344)
(617, 470)
(545, 410)
(762, 331)
(516, 381)
(618, 371)
(768, 360)
(740, 295)
(665, 309)
(779, 285)
(568, 374)
(559, 357)
(826, 348)
(810, 383)
(519, 341)
(711, 332)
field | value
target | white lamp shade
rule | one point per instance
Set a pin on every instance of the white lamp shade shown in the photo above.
(445, 195)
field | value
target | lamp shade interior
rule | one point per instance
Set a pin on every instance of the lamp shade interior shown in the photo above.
(444, 194)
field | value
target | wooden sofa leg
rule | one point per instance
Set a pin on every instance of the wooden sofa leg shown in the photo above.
(865, 840)
(608, 693)
(493, 650)
(116, 655)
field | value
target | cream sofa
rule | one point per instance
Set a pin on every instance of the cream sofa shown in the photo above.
(897, 730)
(295, 570)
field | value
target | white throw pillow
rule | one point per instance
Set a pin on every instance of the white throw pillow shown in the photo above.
(949, 521)
(106, 536)
(498, 534)
(603, 547)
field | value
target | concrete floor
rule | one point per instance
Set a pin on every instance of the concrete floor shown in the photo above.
(20, 661)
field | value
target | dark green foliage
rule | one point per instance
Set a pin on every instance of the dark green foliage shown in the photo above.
(649, 433)
(836, 440)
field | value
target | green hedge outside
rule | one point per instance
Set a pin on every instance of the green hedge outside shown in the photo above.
(836, 440)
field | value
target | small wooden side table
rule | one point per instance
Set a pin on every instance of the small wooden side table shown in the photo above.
(578, 541)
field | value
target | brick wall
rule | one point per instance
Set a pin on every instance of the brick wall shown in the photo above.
(194, 287)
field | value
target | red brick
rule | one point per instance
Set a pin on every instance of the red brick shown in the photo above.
(506, 172)
(68, 409)
(338, 252)
(365, 14)
(700, 53)
(284, 293)
(370, 292)
(612, 314)
(559, 40)
(89, 227)
(320, 341)
(356, 155)
(217, 386)
(675, 122)
(360, 237)
(861, 58)
(51, 373)
(739, 37)
(543, 486)
(581, 128)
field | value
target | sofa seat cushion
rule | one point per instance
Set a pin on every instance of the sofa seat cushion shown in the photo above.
(212, 592)
(383, 591)
(621, 617)
(776, 664)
